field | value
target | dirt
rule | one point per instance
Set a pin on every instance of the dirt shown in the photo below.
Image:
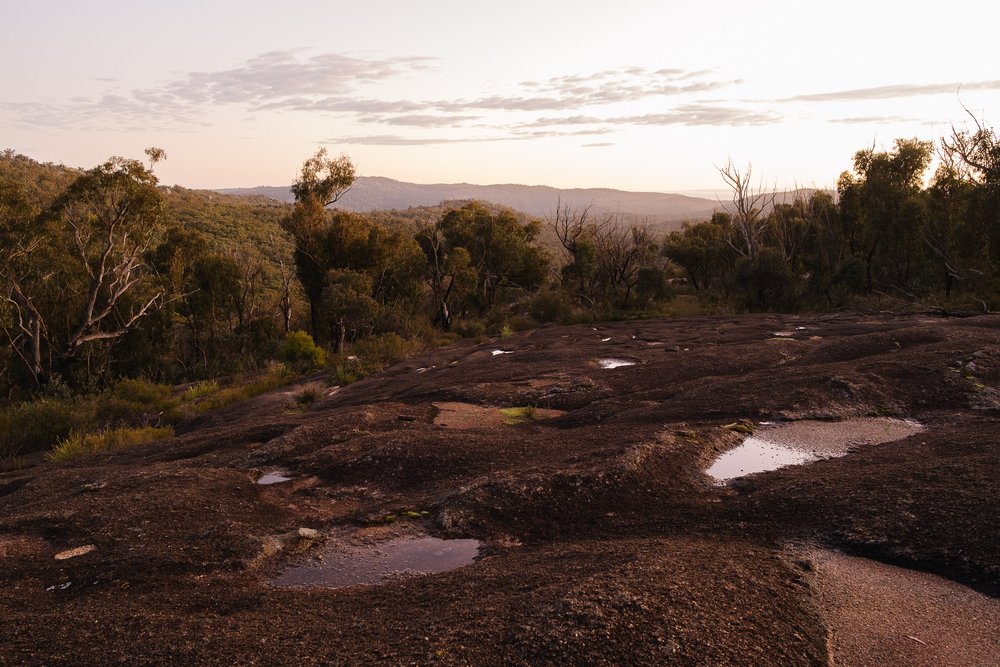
(603, 540)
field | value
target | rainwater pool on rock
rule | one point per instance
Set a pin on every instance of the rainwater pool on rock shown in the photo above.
(274, 477)
(805, 441)
(614, 363)
(342, 565)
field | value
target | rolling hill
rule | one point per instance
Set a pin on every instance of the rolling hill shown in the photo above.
(374, 193)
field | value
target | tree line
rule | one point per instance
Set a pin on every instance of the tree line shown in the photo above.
(105, 274)
(894, 232)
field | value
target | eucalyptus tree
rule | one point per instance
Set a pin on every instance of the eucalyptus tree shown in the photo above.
(75, 274)
(883, 203)
(322, 181)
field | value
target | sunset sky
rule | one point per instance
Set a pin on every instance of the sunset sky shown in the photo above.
(632, 95)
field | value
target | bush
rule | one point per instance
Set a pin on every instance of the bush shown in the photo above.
(36, 426)
(310, 393)
(384, 349)
(299, 350)
(549, 306)
(470, 328)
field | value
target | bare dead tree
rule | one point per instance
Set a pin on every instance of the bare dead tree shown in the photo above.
(570, 225)
(973, 156)
(750, 207)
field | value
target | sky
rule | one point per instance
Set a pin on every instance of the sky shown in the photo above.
(635, 95)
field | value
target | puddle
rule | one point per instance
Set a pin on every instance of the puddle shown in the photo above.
(777, 446)
(343, 565)
(497, 352)
(605, 340)
(614, 363)
(274, 477)
(783, 334)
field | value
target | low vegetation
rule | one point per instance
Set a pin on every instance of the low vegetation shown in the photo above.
(106, 440)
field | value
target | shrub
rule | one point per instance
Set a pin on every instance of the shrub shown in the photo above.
(36, 426)
(384, 349)
(549, 306)
(469, 328)
(299, 350)
(310, 393)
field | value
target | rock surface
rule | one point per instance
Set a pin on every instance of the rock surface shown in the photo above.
(604, 541)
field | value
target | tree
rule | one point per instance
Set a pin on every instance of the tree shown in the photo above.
(703, 251)
(500, 247)
(750, 206)
(76, 274)
(883, 201)
(450, 274)
(322, 181)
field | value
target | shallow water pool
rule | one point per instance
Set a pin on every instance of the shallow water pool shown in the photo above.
(779, 445)
(343, 565)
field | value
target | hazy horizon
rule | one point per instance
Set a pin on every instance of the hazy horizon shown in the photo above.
(642, 96)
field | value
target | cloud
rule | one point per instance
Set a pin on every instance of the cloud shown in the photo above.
(874, 120)
(702, 114)
(342, 84)
(398, 140)
(612, 86)
(282, 75)
(600, 144)
(271, 81)
(420, 120)
(894, 91)
(684, 114)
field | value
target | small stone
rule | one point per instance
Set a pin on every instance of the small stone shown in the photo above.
(93, 486)
(78, 551)
(308, 534)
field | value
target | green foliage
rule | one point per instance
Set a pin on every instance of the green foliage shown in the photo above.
(498, 246)
(299, 350)
(242, 389)
(470, 328)
(743, 426)
(766, 281)
(549, 306)
(78, 444)
(324, 179)
(200, 390)
(385, 348)
(518, 415)
(36, 426)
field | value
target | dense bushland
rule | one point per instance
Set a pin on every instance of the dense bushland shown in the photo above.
(107, 276)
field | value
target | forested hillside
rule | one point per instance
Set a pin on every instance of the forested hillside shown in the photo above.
(106, 275)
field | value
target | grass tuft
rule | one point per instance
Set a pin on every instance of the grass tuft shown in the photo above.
(518, 415)
(78, 444)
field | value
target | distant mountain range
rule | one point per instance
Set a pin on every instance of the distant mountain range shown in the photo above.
(374, 193)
